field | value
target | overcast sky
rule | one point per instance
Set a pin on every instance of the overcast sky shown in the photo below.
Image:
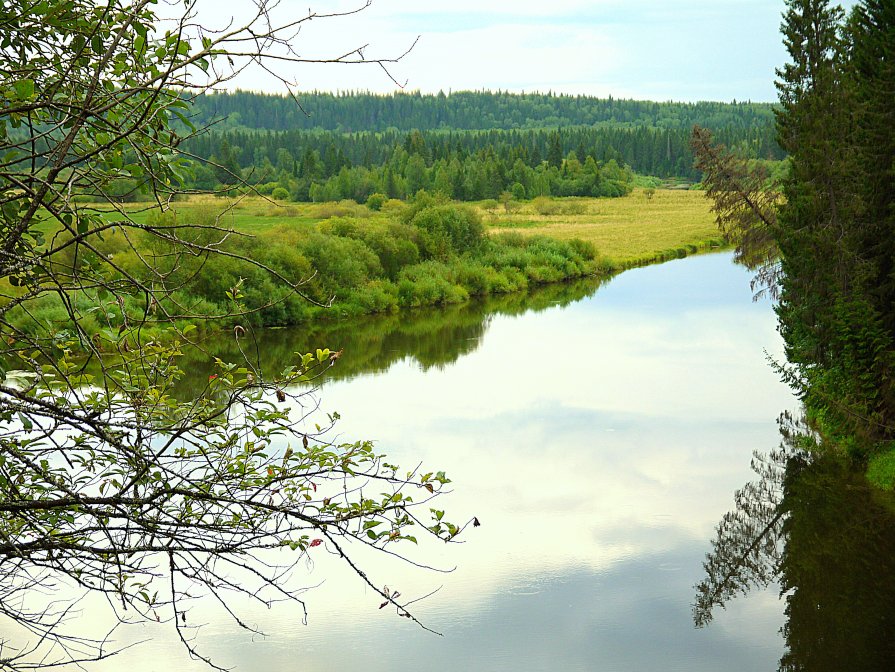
(646, 49)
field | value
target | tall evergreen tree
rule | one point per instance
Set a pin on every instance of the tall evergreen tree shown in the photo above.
(554, 150)
(872, 77)
(226, 165)
(832, 326)
(835, 225)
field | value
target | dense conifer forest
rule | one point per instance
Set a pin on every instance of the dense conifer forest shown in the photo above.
(467, 145)
(468, 111)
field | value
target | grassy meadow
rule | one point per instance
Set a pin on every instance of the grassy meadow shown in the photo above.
(636, 229)
(627, 231)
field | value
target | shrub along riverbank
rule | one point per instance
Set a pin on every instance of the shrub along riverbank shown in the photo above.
(350, 260)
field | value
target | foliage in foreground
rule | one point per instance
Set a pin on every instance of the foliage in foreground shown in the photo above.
(115, 494)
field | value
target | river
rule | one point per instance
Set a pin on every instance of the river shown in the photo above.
(598, 434)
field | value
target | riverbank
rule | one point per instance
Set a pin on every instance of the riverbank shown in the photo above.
(283, 265)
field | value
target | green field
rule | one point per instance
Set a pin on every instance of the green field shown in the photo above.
(626, 231)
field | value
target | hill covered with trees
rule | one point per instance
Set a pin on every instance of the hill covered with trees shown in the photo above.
(466, 110)
(467, 145)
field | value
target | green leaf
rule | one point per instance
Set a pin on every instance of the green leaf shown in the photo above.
(24, 89)
(27, 425)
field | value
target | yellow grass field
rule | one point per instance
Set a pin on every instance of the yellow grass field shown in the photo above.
(627, 231)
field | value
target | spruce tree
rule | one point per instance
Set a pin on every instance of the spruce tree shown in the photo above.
(871, 73)
(554, 150)
(833, 328)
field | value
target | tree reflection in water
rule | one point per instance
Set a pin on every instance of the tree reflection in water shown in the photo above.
(432, 337)
(813, 525)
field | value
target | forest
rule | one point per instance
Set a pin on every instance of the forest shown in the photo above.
(147, 470)
(467, 146)
(825, 243)
(464, 110)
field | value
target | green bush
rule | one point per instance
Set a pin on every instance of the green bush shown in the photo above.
(429, 283)
(375, 201)
(341, 263)
(266, 188)
(378, 296)
(344, 208)
(394, 253)
(448, 229)
(433, 253)
(546, 206)
(574, 208)
(583, 248)
(347, 227)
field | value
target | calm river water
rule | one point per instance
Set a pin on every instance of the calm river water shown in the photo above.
(598, 437)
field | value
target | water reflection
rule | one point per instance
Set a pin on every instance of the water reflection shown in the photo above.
(812, 523)
(598, 444)
(597, 436)
(430, 337)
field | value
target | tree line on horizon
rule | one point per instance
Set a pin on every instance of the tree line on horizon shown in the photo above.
(402, 143)
(351, 112)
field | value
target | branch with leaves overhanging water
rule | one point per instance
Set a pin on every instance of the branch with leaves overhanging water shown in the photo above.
(111, 484)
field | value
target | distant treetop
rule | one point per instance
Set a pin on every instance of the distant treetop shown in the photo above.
(466, 110)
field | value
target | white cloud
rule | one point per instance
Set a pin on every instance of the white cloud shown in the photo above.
(687, 50)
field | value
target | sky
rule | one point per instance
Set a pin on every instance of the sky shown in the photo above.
(683, 50)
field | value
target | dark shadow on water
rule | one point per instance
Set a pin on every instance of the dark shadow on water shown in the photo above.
(814, 525)
(431, 337)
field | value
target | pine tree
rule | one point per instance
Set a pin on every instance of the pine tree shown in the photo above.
(226, 166)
